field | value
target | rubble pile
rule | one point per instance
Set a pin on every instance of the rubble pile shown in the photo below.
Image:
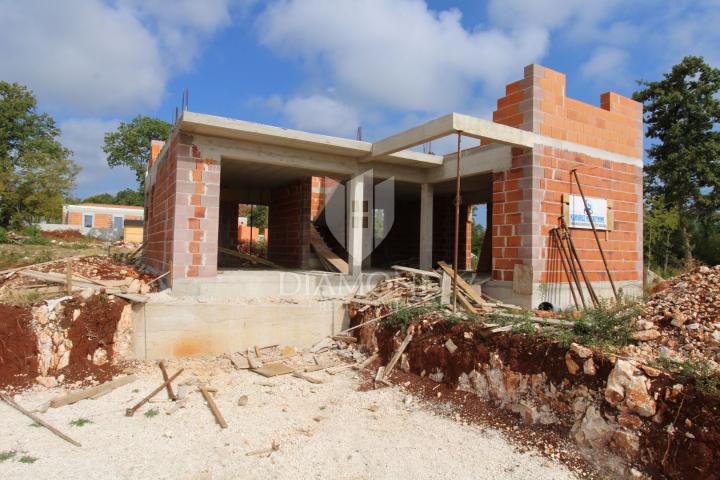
(681, 321)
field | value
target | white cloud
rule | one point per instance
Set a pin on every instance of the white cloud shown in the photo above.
(319, 114)
(606, 63)
(85, 138)
(398, 53)
(88, 56)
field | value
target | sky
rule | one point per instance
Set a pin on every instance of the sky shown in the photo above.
(325, 66)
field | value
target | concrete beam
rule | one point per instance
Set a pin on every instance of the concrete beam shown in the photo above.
(315, 163)
(487, 130)
(486, 159)
(211, 125)
(426, 132)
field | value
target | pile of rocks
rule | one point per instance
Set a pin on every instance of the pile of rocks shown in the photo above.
(681, 321)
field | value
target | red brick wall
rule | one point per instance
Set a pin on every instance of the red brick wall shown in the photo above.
(182, 210)
(160, 212)
(289, 222)
(527, 197)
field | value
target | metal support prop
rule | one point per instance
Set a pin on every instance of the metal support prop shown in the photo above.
(576, 257)
(571, 264)
(556, 238)
(597, 238)
(457, 225)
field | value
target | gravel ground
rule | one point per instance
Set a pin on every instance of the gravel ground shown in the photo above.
(328, 430)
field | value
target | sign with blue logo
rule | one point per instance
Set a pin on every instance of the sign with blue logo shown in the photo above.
(578, 217)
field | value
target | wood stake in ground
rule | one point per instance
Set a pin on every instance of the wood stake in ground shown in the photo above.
(206, 393)
(38, 420)
(131, 411)
(171, 394)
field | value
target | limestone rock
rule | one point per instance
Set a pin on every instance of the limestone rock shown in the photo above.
(629, 420)
(589, 367)
(404, 363)
(581, 351)
(100, 357)
(47, 382)
(638, 399)
(646, 335)
(627, 387)
(86, 293)
(679, 319)
(450, 345)
(572, 367)
(592, 430)
(134, 286)
(627, 443)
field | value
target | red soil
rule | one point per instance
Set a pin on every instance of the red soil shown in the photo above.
(63, 234)
(18, 347)
(93, 329)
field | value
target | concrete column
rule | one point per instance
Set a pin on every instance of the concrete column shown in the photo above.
(357, 218)
(426, 225)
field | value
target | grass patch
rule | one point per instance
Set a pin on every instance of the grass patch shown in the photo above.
(80, 422)
(153, 412)
(7, 455)
(699, 372)
(27, 459)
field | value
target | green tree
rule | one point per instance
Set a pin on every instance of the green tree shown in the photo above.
(123, 197)
(36, 171)
(660, 225)
(129, 145)
(682, 112)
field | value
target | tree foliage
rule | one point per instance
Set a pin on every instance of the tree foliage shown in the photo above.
(36, 171)
(123, 197)
(682, 112)
(129, 145)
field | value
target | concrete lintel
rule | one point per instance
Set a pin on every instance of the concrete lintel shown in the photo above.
(488, 130)
(486, 159)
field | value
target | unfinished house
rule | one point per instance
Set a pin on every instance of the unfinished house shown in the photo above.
(356, 208)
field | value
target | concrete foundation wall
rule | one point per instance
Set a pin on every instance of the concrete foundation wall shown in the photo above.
(188, 328)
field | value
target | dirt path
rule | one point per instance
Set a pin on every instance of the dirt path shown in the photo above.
(330, 430)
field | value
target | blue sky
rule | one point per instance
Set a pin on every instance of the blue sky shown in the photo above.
(325, 65)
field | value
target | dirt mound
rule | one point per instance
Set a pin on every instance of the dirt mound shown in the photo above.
(18, 347)
(63, 234)
(97, 267)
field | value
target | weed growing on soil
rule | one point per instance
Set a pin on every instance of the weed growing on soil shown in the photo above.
(153, 412)
(700, 372)
(27, 459)
(404, 315)
(80, 422)
(7, 455)
(35, 424)
(521, 323)
(608, 326)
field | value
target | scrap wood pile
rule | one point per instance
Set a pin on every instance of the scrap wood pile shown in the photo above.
(414, 289)
(681, 320)
(97, 273)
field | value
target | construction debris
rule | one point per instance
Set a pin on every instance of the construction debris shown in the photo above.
(93, 392)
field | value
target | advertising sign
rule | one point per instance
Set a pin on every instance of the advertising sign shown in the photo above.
(598, 209)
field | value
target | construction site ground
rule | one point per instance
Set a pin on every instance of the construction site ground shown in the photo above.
(337, 429)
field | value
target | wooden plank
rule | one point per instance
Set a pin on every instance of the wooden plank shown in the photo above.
(396, 357)
(248, 257)
(445, 288)
(213, 407)
(325, 253)
(307, 378)
(462, 284)
(38, 420)
(415, 271)
(92, 392)
(274, 370)
(466, 303)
